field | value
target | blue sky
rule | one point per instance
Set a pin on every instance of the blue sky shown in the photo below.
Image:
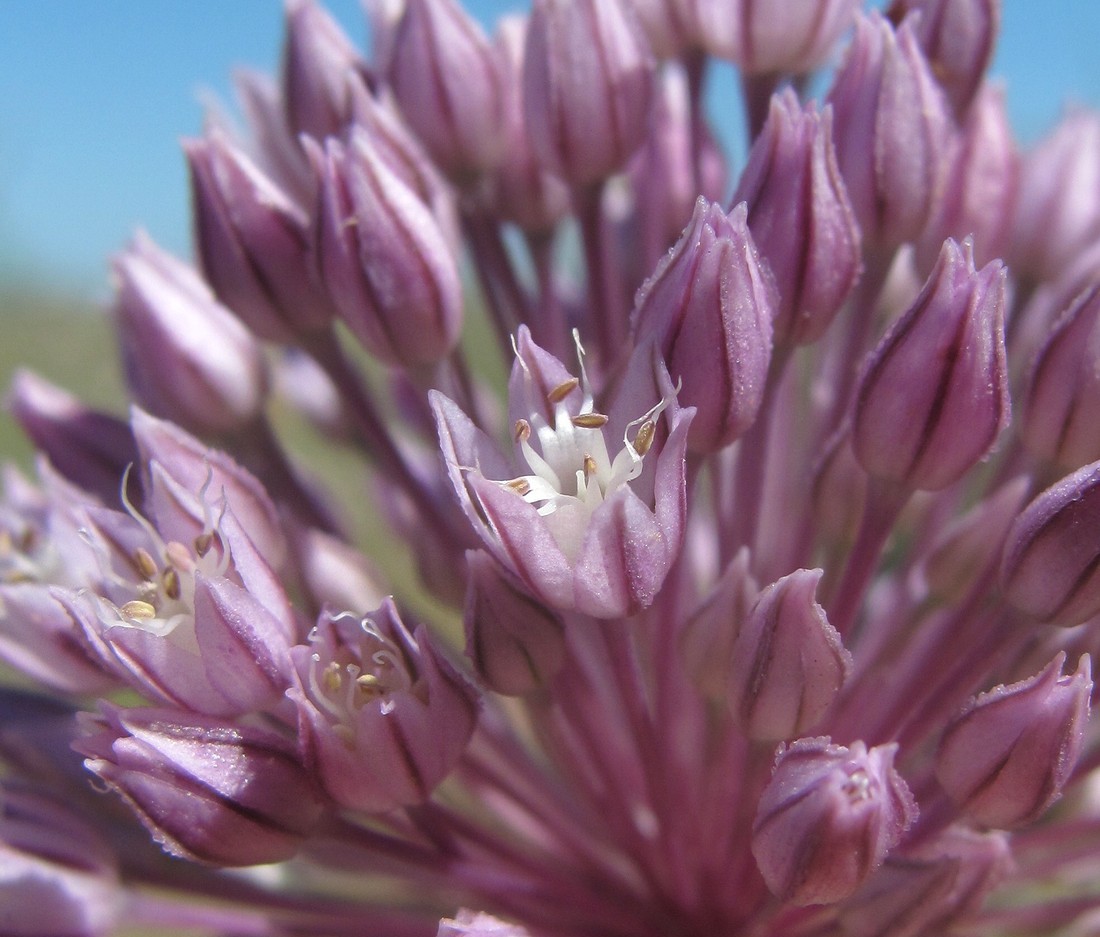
(95, 95)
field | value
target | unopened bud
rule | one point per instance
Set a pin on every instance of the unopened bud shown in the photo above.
(1008, 755)
(934, 397)
(827, 819)
(588, 87)
(788, 662)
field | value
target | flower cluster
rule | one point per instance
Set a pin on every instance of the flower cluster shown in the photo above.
(762, 597)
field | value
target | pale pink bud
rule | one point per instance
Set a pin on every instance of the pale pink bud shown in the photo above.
(588, 86)
(958, 38)
(1008, 755)
(478, 924)
(929, 888)
(186, 357)
(801, 219)
(252, 242)
(1061, 417)
(891, 132)
(827, 819)
(788, 662)
(1058, 211)
(515, 644)
(1051, 566)
(384, 258)
(448, 83)
(769, 36)
(934, 396)
(207, 790)
(319, 67)
(981, 180)
(709, 307)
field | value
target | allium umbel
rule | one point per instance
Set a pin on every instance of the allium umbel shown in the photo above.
(744, 608)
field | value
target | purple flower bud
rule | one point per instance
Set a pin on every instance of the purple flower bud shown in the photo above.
(589, 514)
(671, 27)
(185, 356)
(968, 546)
(320, 65)
(708, 307)
(515, 644)
(769, 36)
(929, 888)
(1058, 211)
(253, 242)
(1061, 417)
(89, 448)
(447, 81)
(891, 132)
(801, 218)
(57, 875)
(587, 85)
(383, 717)
(1051, 566)
(207, 790)
(710, 634)
(958, 37)
(827, 818)
(334, 573)
(384, 258)
(980, 184)
(934, 396)
(1006, 757)
(523, 191)
(788, 662)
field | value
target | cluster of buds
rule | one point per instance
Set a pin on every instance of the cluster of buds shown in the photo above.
(741, 605)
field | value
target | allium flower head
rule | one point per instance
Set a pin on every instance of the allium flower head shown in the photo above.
(710, 588)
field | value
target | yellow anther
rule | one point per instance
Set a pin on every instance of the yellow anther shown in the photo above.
(519, 485)
(644, 440)
(171, 580)
(563, 390)
(522, 430)
(136, 609)
(203, 542)
(144, 562)
(590, 420)
(369, 683)
(5, 543)
(589, 466)
(332, 677)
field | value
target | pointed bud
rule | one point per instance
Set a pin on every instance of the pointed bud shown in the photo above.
(708, 307)
(1061, 418)
(801, 218)
(787, 36)
(891, 132)
(384, 258)
(710, 634)
(970, 544)
(57, 874)
(958, 38)
(207, 790)
(981, 180)
(523, 191)
(1008, 755)
(934, 396)
(448, 83)
(252, 242)
(827, 818)
(587, 85)
(671, 27)
(186, 357)
(319, 67)
(515, 644)
(383, 717)
(1058, 211)
(929, 888)
(88, 448)
(1051, 565)
(788, 662)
